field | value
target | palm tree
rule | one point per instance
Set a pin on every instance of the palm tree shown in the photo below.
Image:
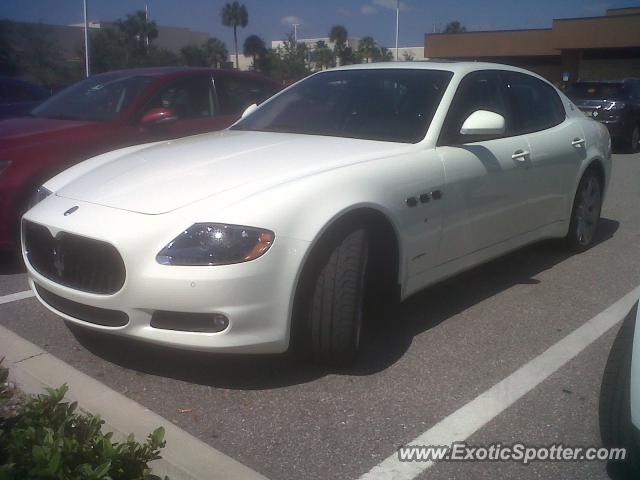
(338, 35)
(233, 15)
(255, 48)
(216, 52)
(454, 27)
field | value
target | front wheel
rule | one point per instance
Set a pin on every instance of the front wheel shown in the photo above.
(330, 309)
(585, 214)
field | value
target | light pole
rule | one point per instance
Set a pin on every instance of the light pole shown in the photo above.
(86, 41)
(397, 25)
(295, 31)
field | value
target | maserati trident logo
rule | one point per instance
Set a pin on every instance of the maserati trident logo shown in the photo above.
(70, 211)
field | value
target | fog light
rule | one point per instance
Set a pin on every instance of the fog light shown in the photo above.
(189, 322)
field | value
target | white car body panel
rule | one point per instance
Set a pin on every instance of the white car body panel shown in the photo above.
(140, 198)
(635, 375)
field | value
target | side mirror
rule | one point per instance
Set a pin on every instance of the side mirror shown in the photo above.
(482, 122)
(249, 110)
(157, 116)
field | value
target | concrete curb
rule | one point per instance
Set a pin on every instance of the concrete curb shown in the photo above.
(184, 457)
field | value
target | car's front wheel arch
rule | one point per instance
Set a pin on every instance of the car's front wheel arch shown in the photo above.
(382, 275)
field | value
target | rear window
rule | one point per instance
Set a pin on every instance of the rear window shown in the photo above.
(598, 91)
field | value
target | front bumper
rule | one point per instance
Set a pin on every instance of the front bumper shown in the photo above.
(255, 296)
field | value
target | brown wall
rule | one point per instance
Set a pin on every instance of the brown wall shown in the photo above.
(616, 31)
(490, 44)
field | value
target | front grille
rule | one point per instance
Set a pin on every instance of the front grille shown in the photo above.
(74, 261)
(86, 313)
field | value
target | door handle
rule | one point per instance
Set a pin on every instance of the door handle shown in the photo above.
(577, 142)
(520, 155)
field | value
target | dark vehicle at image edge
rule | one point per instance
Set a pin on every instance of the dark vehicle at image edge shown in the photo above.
(110, 111)
(18, 97)
(615, 104)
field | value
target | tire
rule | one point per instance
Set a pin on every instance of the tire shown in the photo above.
(634, 140)
(585, 214)
(329, 313)
(616, 429)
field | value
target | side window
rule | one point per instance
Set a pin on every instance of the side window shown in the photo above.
(190, 97)
(534, 104)
(236, 93)
(477, 91)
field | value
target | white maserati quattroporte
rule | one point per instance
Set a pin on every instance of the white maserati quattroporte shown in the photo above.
(285, 229)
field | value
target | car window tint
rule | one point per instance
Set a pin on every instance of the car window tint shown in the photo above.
(190, 97)
(477, 91)
(394, 105)
(236, 93)
(535, 105)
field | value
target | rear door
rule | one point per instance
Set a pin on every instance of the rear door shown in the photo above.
(557, 147)
(485, 197)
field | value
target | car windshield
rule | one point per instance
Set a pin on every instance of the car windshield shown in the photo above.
(597, 91)
(394, 105)
(99, 98)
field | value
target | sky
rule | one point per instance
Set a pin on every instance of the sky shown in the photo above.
(272, 19)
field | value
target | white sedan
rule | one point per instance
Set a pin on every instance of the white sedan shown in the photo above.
(290, 228)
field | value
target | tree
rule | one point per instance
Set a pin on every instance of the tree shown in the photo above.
(289, 61)
(367, 48)
(138, 31)
(108, 50)
(383, 54)
(193, 56)
(216, 52)
(339, 35)
(233, 15)
(212, 53)
(408, 56)
(322, 55)
(8, 57)
(39, 57)
(454, 27)
(255, 48)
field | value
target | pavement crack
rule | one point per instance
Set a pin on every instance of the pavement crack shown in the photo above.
(29, 357)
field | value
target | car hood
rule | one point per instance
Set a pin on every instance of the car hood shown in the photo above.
(165, 176)
(24, 131)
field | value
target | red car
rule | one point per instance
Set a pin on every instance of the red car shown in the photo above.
(110, 111)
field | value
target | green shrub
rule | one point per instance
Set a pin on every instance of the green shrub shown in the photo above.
(51, 441)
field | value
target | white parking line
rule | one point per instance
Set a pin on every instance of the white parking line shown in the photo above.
(468, 419)
(16, 296)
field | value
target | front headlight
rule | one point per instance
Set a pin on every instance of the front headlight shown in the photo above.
(216, 244)
(4, 164)
(40, 194)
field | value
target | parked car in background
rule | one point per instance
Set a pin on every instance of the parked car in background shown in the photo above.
(18, 97)
(615, 104)
(110, 111)
(351, 186)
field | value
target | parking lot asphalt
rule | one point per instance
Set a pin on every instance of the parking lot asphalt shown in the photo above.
(443, 348)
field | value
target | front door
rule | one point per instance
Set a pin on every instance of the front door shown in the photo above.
(485, 196)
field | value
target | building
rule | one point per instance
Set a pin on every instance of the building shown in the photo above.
(605, 47)
(311, 42)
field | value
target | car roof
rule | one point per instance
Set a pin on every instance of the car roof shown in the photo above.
(447, 65)
(171, 72)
